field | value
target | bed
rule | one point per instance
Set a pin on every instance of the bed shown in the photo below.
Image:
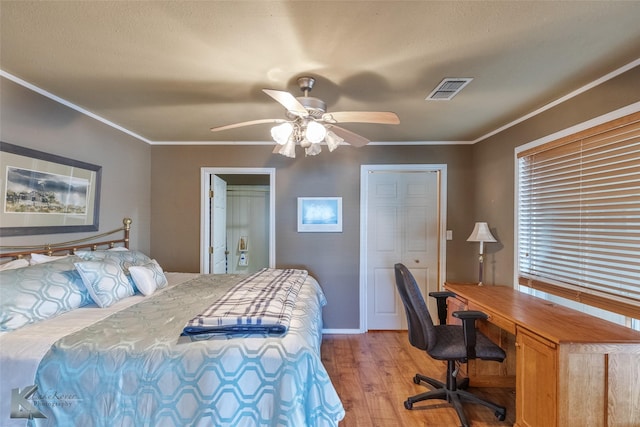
(87, 357)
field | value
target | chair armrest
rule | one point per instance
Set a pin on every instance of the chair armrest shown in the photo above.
(442, 294)
(470, 315)
(441, 300)
(468, 318)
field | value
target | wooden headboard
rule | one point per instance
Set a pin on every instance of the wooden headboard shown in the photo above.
(63, 248)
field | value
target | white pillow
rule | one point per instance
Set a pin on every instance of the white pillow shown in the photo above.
(148, 277)
(42, 258)
(105, 281)
(118, 248)
(16, 263)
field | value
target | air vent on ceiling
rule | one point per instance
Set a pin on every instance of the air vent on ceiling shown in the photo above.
(448, 88)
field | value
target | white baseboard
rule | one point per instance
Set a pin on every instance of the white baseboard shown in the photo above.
(342, 331)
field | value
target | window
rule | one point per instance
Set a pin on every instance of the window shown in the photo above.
(579, 216)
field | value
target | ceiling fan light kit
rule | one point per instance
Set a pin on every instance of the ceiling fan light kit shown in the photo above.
(310, 125)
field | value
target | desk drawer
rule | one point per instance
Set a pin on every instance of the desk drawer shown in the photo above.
(496, 319)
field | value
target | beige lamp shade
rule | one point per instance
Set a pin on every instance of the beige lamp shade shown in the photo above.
(481, 233)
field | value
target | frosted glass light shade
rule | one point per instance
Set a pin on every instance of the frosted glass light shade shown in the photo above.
(313, 150)
(282, 133)
(315, 132)
(333, 140)
(289, 149)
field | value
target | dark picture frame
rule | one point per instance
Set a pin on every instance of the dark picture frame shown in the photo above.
(45, 193)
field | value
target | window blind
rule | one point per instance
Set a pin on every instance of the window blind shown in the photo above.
(579, 216)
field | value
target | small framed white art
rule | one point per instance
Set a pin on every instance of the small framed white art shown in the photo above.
(320, 214)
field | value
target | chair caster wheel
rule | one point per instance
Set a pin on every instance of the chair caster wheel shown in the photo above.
(416, 380)
(501, 415)
(408, 404)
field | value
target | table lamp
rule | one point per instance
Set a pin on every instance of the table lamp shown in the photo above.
(481, 233)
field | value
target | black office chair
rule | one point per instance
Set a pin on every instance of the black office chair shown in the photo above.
(453, 343)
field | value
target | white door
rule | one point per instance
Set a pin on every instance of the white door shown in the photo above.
(403, 225)
(219, 225)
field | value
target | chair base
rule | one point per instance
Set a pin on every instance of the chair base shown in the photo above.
(453, 394)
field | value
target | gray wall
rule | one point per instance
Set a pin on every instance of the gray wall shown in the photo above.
(494, 157)
(333, 258)
(31, 120)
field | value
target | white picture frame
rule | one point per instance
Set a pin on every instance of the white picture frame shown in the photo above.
(319, 214)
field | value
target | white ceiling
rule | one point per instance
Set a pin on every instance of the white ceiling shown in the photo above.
(170, 70)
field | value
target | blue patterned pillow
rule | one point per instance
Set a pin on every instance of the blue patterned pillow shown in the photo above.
(148, 277)
(105, 281)
(124, 258)
(39, 292)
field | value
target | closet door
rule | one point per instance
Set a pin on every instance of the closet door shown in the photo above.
(402, 226)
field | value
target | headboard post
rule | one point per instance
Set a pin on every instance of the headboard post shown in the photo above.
(127, 229)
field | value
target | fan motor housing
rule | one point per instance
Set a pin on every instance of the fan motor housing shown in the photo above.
(315, 106)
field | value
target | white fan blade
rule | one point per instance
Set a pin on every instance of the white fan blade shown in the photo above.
(249, 123)
(288, 101)
(382, 117)
(350, 137)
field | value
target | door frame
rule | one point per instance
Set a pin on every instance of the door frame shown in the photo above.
(365, 170)
(205, 209)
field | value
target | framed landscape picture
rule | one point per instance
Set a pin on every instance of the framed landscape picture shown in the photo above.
(320, 214)
(46, 194)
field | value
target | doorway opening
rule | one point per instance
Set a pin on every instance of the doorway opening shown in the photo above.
(237, 230)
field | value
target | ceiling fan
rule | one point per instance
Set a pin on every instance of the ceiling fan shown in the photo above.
(309, 124)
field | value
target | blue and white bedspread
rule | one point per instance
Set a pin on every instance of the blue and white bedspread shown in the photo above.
(132, 369)
(261, 303)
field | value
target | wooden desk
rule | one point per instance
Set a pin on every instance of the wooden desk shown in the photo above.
(571, 369)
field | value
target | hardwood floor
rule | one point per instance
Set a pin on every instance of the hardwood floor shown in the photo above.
(373, 374)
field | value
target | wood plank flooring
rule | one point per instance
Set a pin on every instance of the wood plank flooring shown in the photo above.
(373, 375)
